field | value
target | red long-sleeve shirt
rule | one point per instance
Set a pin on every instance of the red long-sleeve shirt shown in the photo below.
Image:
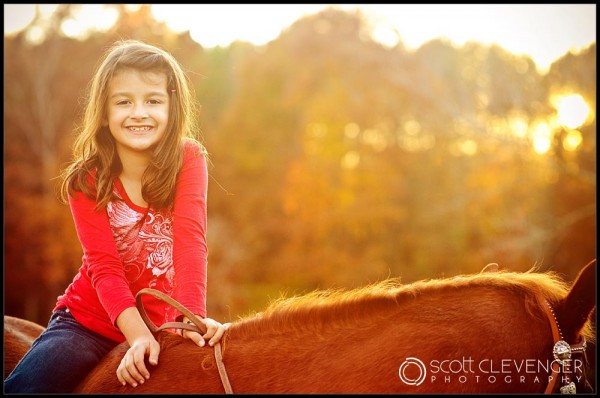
(127, 247)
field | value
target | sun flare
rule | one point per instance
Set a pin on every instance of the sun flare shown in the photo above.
(572, 110)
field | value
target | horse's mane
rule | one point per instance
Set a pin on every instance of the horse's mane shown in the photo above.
(350, 307)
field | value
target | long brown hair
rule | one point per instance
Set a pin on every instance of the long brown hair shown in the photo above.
(95, 161)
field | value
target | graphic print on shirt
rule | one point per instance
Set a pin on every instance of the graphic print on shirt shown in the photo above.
(145, 244)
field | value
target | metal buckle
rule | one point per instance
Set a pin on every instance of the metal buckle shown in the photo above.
(561, 351)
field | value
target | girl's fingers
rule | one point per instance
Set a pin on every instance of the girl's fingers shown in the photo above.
(124, 375)
(217, 336)
(195, 337)
(132, 369)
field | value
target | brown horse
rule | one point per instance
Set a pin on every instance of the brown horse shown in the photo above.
(492, 332)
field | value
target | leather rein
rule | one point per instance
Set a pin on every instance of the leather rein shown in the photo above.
(562, 352)
(196, 326)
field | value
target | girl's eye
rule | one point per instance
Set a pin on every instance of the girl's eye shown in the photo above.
(154, 101)
(122, 102)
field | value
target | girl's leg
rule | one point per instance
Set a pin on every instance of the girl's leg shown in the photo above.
(59, 358)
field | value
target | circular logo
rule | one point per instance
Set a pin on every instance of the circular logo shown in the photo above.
(412, 362)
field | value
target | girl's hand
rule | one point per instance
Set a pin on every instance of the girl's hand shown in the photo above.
(214, 332)
(132, 368)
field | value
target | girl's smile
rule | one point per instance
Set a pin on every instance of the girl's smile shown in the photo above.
(139, 128)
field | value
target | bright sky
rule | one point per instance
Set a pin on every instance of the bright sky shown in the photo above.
(545, 32)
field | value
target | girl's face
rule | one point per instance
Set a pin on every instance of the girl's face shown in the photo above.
(137, 110)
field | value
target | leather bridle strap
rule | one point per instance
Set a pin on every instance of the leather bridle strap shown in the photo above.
(556, 336)
(197, 326)
(562, 352)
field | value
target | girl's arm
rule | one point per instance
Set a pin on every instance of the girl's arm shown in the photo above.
(104, 263)
(190, 249)
(189, 231)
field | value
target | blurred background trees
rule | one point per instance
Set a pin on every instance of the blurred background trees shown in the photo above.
(335, 161)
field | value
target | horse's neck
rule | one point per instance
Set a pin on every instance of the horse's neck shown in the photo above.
(477, 323)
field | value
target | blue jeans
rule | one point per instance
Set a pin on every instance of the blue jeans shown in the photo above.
(60, 358)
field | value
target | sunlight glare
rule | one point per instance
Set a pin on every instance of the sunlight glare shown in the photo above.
(542, 138)
(572, 141)
(214, 25)
(544, 38)
(572, 110)
(35, 35)
(89, 17)
(47, 9)
(17, 17)
(518, 126)
(166, 13)
(468, 147)
(72, 28)
(98, 16)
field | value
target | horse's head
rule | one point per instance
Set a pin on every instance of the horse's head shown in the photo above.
(572, 331)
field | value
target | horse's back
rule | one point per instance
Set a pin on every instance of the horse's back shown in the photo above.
(183, 367)
(19, 334)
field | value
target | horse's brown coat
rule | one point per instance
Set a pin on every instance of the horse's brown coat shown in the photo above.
(19, 334)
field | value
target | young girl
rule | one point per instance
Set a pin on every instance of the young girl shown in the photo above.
(137, 190)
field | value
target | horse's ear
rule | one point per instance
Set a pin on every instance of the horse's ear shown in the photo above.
(573, 311)
(491, 267)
